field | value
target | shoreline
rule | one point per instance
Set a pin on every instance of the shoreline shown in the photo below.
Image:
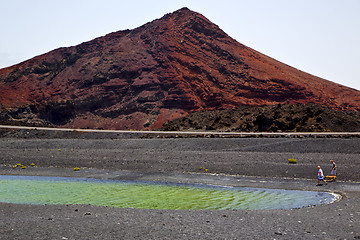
(190, 178)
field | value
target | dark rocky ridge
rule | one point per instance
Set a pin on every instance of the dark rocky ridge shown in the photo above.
(165, 69)
(283, 118)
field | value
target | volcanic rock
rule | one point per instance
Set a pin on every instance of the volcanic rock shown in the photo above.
(275, 118)
(165, 69)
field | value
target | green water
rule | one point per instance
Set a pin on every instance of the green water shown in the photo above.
(150, 195)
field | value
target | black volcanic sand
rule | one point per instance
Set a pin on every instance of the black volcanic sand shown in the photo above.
(256, 162)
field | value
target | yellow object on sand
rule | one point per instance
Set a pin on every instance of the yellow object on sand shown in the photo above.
(333, 178)
(292, 160)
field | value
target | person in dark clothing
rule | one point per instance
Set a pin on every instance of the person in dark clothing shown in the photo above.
(333, 168)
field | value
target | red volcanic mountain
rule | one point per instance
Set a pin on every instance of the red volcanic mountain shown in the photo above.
(140, 78)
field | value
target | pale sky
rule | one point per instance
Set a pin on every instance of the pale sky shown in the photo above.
(321, 37)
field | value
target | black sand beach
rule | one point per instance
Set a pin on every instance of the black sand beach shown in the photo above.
(256, 162)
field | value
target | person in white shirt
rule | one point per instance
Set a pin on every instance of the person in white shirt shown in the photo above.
(321, 176)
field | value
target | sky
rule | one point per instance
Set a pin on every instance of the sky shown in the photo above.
(320, 37)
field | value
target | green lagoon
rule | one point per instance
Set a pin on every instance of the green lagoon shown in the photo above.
(151, 195)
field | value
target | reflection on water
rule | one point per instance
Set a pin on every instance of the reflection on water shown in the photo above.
(150, 195)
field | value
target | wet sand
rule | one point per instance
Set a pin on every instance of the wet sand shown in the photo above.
(255, 162)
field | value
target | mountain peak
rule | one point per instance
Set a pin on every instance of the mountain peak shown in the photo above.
(138, 79)
(185, 11)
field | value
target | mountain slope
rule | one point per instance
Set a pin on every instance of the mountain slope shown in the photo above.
(140, 78)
